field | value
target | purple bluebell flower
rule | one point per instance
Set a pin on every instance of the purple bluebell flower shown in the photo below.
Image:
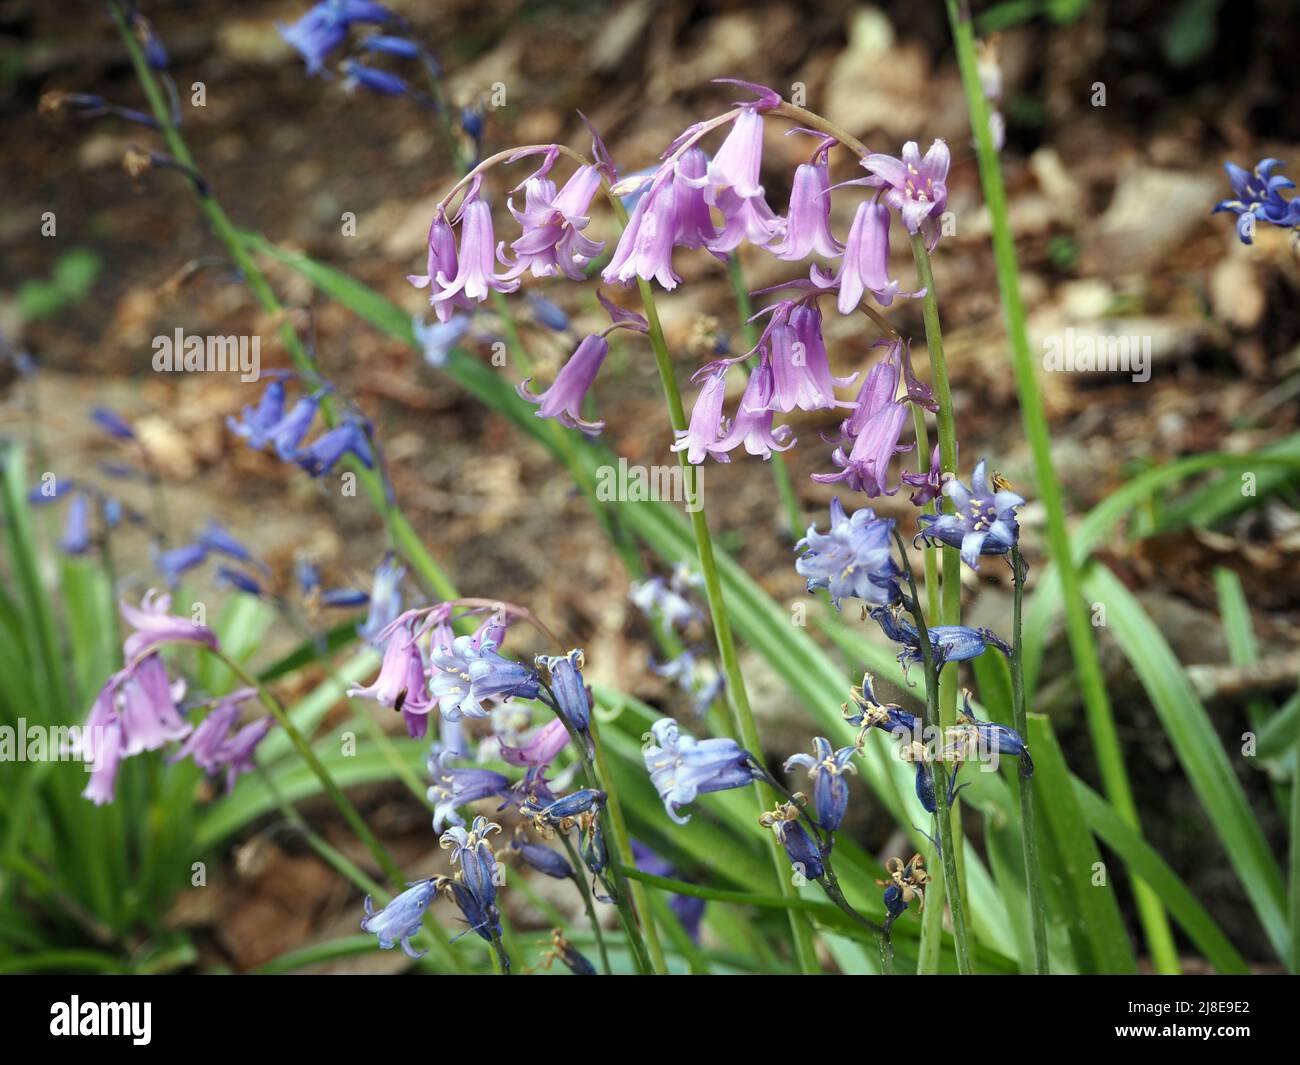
(572, 696)
(239, 580)
(1257, 196)
(474, 277)
(914, 187)
(865, 467)
(705, 433)
(645, 250)
(401, 683)
(153, 625)
(112, 423)
(808, 225)
(76, 526)
(154, 52)
(215, 538)
(852, 559)
(381, 82)
(805, 854)
(387, 44)
(827, 767)
(257, 423)
(204, 744)
(929, 484)
(307, 574)
(236, 753)
(146, 707)
(544, 859)
(563, 400)
(692, 221)
(682, 767)
(442, 262)
(288, 433)
(950, 643)
(401, 919)
(984, 522)
(732, 177)
(542, 748)
(323, 454)
(752, 425)
(471, 674)
(552, 241)
(454, 787)
(865, 266)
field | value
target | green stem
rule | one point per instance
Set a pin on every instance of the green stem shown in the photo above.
(1020, 721)
(951, 883)
(588, 902)
(737, 696)
(1294, 895)
(1092, 685)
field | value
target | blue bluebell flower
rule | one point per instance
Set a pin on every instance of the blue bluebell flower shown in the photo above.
(178, 561)
(344, 598)
(984, 522)
(547, 313)
(112, 423)
(565, 952)
(1257, 196)
(572, 696)
(682, 767)
(473, 854)
(385, 599)
(544, 859)
(216, 538)
(484, 922)
(950, 643)
(972, 737)
(917, 753)
(110, 508)
(439, 338)
(564, 812)
(238, 579)
(868, 712)
(288, 433)
(323, 454)
(76, 526)
(383, 82)
(854, 558)
(400, 919)
(325, 27)
(154, 52)
(307, 574)
(827, 766)
(806, 857)
(453, 787)
(256, 424)
(387, 44)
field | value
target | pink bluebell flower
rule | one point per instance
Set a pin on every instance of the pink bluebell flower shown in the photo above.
(441, 261)
(541, 748)
(865, 263)
(475, 276)
(703, 437)
(732, 178)
(914, 187)
(401, 682)
(552, 240)
(153, 625)
(752, 425)
(564, 399)
(808, 225)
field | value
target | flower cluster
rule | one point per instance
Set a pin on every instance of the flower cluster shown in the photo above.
(268, 424)
(1257, 197)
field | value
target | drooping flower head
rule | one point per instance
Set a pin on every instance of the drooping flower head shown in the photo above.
(985, 519)
(808, 226)
(827, 768)
(682, 767)
(950, 643)
(706, 431)
(453, 787)
(805, 854)
(401, 919)
(572, 697)
(552, 241)
(972, 738)
(564, 399)
(852, 559)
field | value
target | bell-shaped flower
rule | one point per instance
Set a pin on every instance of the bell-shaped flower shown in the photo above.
(682, 767)
(401, 919)
(984, 522)
(827, 767)
(475, 276)
(564, 399)
(852, 559)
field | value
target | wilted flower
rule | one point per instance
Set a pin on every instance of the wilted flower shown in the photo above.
(972, 737)
(984, 522)
(545, 860)
(852, 559)
(950, 643)
(906, 883)
(805, 854)
(682, 767)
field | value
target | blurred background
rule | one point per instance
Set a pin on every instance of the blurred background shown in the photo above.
(1118, 118)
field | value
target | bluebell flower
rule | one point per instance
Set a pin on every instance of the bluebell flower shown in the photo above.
(547, 313)
(400, 919)
(470, 674)
(216, 538)
(110, 509)
(1257, 195)
(563, 813)
(154, 52)
(256, 424)
(237, 579)
(178, 561)
(544, 859)
(112, 423)
(572, 696)
(950, 643)
(984, 522)
(868, 712)
(378, 81)
(655, 596)
(804, 853)
(473, 854)
(307, 574)
(827, 766)
(385, 599)
(454, 787)
(323, 454)
(568, 955)
(682, 767)
(76, 526)
(854, 558)
(288, 433)
(325, 27)
(591, 844)
(972, 737)
(484, 922)
(917, 753)
(438, 340)
(344, 598)
(402, 47)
